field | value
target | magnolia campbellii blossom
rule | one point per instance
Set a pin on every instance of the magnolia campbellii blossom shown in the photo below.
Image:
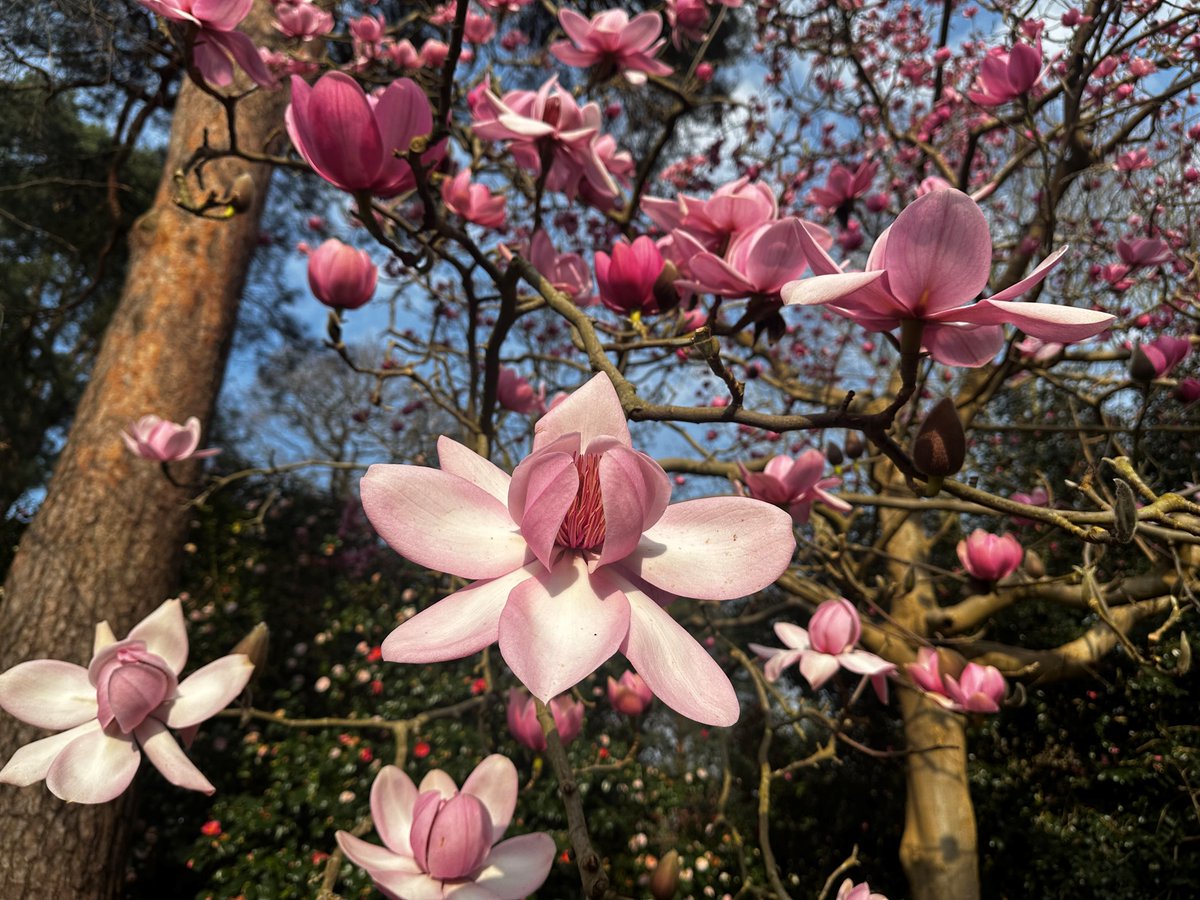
(116, 709)
(824, 647)
(443, 842)
(525, 727)
(567, 272)
(341, 276)
(474, 202)
(630, 695)
(158, 439)
(626, 279)
(844, 185)
(217, 44)
(990, 557)
(1007, 74)
(516, 393)
(612, 39)
(1157, 358)
(977, 689)
(927, 267)
(795, 484)
(851, 891)
(574, 557)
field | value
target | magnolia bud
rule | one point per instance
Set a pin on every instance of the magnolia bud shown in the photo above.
(1141, 369)
(853, 445)
(255, 645)
(665, 294)
(241, 197)
(1033, 565)
(941, 444)
(834, 454)
(665, 880)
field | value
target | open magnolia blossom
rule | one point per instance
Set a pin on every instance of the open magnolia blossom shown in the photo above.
(155, 438)
(795, 484)
(574, 557)
(927, 267)
(217, 44)
(443, 842)
(117, 708)
(524, 725)
(977, 689)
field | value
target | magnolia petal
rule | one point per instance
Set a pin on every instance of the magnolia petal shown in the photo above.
(31, 762)
(442, 521)
(518, 867)
(456, 626)
(817, 668)
(560, 626)
(209, 690)
(783, 659)
(543, 488)
(332, 126)
(715, 548)
(245, 53)
(712, 274)
(862, 662)
(166, 756)
(393, 796)
(969, 347)
(494, 783)
(674, 666)
(939, 252)
(48, 693)
(1046, 321)
(400, 881)
(458, 460)
(793, 636)
(625, 497)
(593, 410)
(165, 634)
(437, 780)
(820, 289)
(104, 637)
(93, 768)
(372, 857)
(1033, 277)
(772, 261)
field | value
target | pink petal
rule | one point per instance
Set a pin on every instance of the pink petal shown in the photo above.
(863, 663)
(626, 497)
(393, 796)
(375, 859)
(1033, 277)
(437, 780)
(593, 410)
(464, 462)
(570, 55)
(93, 768)
(456, 626)
(673, 664)
(780, 661)
(577, 27)
(441, 521)
(245, 53)
(792, 635)
(819, 289)
(543, 488)
(30, 763)
(165, 634)
(773, 261)
(48, 693)
(713, 274)
(334, 129)
(939, 252)
(715, 548)
(494, 783)
(162, 751)
(223, 15)
(518, 866)
(561, 626)
(209, 690)
(818, 668)
(641, 32)
(969, 347)
(1046, 321)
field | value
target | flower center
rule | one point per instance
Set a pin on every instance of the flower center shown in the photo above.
(131, 686)
(583, 527)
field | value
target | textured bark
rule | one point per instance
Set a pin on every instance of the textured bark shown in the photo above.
(939, 849)
(106, 542)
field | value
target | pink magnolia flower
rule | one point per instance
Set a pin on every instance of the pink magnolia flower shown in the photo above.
(1157, 358)
(1007, 74)
(1138, 252)
(515, 393)
(303, 20)
(733, 208)
(630, 695)
(1039, 351)
(927, 267)
(434, 53)
(568, 272)
(1036, 497)
(474, 202)
(851, 891)
(826, 646)
(574, 557)
(613, 41)
(116, 709)
(758, 262)
(349, 138)
(478, 29)
(627, 278)
(688, 19)
(843, 186)
(978, 688)
(524, 725)
(990, 557)
(341, 276)
(151, 437)
(796, 484)
(217, 44)
(547, 121)
(1134, 160)
(1188, 390)
(439, 841)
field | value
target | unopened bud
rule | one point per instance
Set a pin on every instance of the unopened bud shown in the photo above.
(834, 454)
(254, 645)
(853, 445)
(665, 294)
(1125, 516)
(1033, 565)
(1141, 369)
(941, 445)
(665, 880)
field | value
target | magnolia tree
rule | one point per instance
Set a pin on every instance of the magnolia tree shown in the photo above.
(841, 261)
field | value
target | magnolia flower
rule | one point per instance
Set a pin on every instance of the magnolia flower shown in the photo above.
(117, 708)
(844, 185)
(568, 272)
(525, 727)
(574, 557)
(979, 688)
(826, 646)
(303, 20)
(1158, 358)
(851, 891)
(733, 208)
(630, 695)
(441, 842)
(515, 393)
(927, 267)
(990, 557)
(613, 41)
(759, 261)
(151, 437)
(1137, 252)
(350, 139)
(341, 276)
(796, 484)
(217, 45)
(627, 278)
(1007, 74)
(474, 202)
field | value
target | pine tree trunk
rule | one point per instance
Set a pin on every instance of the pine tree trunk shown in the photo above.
(106, 542)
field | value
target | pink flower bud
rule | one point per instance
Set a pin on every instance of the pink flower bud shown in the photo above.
(627, 278)
(978, 689)
(450, 838)
(130, 684)
(835, 627)
(705, 72)
(630, 695)
(341, 276)
(990, 557)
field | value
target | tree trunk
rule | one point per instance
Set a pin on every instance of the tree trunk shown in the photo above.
(106, 542)
(939, 849)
